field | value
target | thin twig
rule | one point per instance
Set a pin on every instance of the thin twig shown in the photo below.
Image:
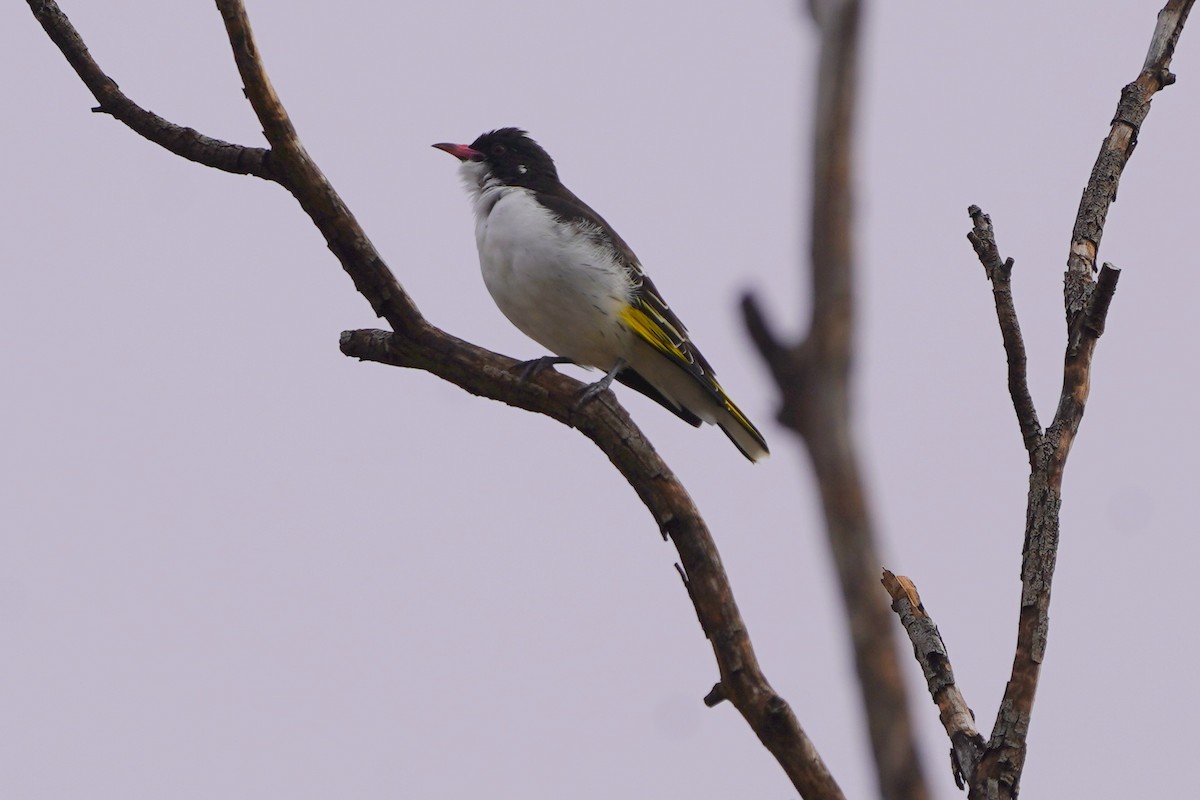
(967, 745)
(418, 344)
(999, 272)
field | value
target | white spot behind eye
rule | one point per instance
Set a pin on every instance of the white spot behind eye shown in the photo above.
(521, 168)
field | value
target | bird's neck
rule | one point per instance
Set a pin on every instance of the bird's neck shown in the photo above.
(484, 188)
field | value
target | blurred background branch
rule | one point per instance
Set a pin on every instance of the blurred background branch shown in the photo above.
(814, 381)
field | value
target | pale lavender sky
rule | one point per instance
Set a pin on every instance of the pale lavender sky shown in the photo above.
(234, 563)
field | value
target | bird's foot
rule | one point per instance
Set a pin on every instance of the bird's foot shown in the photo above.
(534, 367)
(599, 387)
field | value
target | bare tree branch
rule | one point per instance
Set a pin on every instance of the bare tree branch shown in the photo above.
(967, 746)
(418, 344)
(607, 424)
(998, 772)
(297, 173)
(999, 272)
(814, 382)
(181, 141)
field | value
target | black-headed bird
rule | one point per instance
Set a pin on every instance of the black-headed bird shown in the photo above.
(563, 276)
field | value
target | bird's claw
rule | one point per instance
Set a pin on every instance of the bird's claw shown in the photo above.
(536, 366)
(592, 392)
(599, 387)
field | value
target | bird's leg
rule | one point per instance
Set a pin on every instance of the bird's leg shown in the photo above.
(536, 366)
(600, 386)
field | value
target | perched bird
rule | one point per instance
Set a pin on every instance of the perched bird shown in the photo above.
(564, 277)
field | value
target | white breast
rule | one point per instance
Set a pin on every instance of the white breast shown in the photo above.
(556, 283)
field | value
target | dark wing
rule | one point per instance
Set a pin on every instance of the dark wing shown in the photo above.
(650, 317)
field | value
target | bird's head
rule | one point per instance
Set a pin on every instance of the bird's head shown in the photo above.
(507, 155)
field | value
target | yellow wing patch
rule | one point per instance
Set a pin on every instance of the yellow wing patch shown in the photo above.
(666, 338)
(657, 331)
(653, 332)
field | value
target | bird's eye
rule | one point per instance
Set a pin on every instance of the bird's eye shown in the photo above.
(499, 149)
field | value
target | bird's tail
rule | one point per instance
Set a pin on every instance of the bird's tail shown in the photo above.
(667, 364)
(635, 381)
(701, 399)
(741, 431)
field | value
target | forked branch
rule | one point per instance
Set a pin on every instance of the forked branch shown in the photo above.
(997, 771)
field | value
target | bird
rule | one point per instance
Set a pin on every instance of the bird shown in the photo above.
(567, 280)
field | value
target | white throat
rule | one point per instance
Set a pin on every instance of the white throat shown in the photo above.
(484, 188)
